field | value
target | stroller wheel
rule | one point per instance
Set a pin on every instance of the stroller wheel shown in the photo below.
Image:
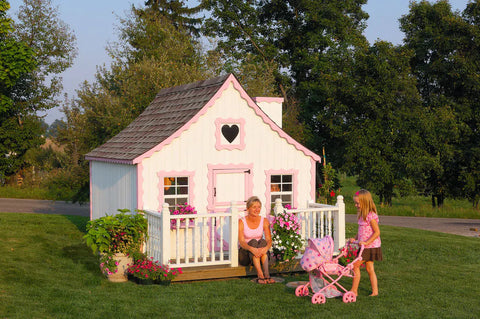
(301, 290)
(318, 298)
(349, 297)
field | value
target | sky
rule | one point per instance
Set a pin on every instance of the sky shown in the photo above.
(94, 23)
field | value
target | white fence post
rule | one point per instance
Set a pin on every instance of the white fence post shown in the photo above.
(165, 234)
(339, 227)
(234, 235)
(278, 206)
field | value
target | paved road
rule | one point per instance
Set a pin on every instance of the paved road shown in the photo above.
(13, 205)
(458, 226)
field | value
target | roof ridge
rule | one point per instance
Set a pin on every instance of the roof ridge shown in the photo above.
(194, 85)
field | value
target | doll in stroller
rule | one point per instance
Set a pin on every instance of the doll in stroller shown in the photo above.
(325, 272)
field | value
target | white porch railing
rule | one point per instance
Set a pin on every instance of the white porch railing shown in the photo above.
(212, 239)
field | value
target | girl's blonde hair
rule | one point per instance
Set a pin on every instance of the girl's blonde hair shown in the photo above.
(253, 199)
(366, 203)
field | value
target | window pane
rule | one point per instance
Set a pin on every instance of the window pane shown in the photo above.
(275, 179)
(182, 200)
(183, 190)
(182, 180)
(287, 188)
(275, 187)
(287, 178)
(171, 202)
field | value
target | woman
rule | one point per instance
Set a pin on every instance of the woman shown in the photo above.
(255, 240)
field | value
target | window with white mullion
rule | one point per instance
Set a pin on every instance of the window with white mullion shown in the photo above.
(281, 186)
(175, 191)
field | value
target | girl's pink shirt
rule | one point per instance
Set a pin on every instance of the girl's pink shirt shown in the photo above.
(365, 231)
(249, 233)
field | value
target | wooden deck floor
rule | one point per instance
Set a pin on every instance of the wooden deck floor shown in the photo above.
(223, 272)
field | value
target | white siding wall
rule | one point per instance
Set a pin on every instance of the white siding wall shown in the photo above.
(195, 148)
(113, 187)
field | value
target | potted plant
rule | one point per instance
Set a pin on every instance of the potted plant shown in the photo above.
(116, 237)
(184, 209)
(286, 238)
(147, 271)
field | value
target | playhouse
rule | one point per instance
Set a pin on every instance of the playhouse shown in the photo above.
(207, 144)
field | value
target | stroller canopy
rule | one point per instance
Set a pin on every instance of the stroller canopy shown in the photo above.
(319, 250)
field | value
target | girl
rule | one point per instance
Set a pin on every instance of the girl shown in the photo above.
(255, 240)
(368, 235)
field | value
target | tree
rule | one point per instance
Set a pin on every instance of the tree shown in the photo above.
(310, 43)
(16, 60)
(384, 121)
(54, 44)
(445, 63)
(151, 54)
(178, 14)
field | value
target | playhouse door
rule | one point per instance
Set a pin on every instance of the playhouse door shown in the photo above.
(231, 184)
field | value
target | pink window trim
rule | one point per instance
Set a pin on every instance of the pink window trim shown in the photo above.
(218, 134)
(269, 173)
(191, 185)
(234, 168)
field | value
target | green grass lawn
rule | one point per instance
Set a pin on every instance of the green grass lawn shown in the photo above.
(46, 271)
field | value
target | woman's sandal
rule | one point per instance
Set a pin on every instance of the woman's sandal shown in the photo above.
(269, 280)
(261, 281)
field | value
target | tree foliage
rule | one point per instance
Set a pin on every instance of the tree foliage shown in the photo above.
(445, 63)
(38, 24)
(16, 60)
(17, 134)
(151, 54)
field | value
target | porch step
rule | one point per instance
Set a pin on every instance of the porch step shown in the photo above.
(223, 271)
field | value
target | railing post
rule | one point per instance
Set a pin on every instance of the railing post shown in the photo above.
(165, 234)
(309, 203)
(234, 235)
(339, 227)
(278, 206)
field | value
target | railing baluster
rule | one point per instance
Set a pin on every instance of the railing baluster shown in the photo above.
(208, 230)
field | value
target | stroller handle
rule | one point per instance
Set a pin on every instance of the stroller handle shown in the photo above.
(362, 247)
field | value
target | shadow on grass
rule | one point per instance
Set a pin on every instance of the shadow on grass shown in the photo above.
(79, 221)
(81, 254)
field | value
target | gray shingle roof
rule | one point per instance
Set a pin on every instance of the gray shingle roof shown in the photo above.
(168, 112)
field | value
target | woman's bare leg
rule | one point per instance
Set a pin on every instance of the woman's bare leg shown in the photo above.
(266, 271)
(258, 268)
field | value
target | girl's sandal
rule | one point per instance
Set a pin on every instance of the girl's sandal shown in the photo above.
(269, 280)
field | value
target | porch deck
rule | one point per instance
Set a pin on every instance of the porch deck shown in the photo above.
(205, 246)
(225, 271)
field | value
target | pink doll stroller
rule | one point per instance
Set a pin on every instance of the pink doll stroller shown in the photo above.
(317, 261)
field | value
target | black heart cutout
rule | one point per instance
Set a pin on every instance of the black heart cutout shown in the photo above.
(230, 132)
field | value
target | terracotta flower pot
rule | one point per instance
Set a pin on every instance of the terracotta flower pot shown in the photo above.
(121, 274)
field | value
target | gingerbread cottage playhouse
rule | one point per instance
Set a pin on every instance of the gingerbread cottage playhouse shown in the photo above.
(208, 144)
